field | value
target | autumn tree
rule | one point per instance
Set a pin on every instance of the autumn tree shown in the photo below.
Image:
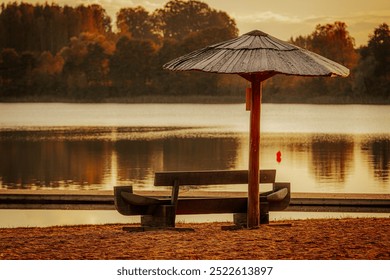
(379, 48)
(86, 61)
(131, 64)
(46, 76)
(39, 28)
(178, 18)
(373, 71)
(95, 64)
(185, 26)
(136, 23)
(94, 19)
(332, 41)
(194, 83)
(10, 67)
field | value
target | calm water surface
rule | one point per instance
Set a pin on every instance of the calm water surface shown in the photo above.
(336, 148)
(325, 148)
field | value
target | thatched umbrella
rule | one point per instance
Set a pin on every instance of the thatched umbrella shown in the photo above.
(256, 56)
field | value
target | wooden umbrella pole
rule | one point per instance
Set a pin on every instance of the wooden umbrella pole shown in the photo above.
(253, 214)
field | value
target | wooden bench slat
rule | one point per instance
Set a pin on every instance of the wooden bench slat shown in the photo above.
(211, 177)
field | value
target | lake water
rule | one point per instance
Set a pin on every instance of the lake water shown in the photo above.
(325, 148)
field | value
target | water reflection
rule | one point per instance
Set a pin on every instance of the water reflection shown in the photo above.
(101, 164)
(378, 153)
(53, 164)
(99, 159)
(139, 159)
(331, 158)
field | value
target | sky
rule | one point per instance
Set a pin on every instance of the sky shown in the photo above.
(280, 18)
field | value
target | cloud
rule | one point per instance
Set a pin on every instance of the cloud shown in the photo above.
(269, 16)
(266, 16)
(368, 17)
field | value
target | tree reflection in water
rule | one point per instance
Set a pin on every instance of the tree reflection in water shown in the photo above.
(97, 164)
(332, 158)
(378, 153)
(88, 159)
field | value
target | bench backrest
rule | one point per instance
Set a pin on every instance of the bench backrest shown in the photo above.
(218, 177)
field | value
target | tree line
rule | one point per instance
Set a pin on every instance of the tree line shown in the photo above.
(369, 79)
(52, 52)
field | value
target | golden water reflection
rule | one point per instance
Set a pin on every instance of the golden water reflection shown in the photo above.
(377, 154)
(311, 162)
(332, 158)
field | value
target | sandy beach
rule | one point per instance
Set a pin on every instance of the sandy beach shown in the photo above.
(337, 239)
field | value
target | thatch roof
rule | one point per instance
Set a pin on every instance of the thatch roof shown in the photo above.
(257, 52)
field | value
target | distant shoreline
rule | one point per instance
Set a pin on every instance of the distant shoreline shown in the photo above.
(194, 99)
(132, 100)
(197, 99)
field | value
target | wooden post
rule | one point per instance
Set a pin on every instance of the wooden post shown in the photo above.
(253, 214)
(248, 98)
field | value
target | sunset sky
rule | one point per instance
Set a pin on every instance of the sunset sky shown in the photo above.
(280, 18)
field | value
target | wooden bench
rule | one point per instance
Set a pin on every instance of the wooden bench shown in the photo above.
(160, 212)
